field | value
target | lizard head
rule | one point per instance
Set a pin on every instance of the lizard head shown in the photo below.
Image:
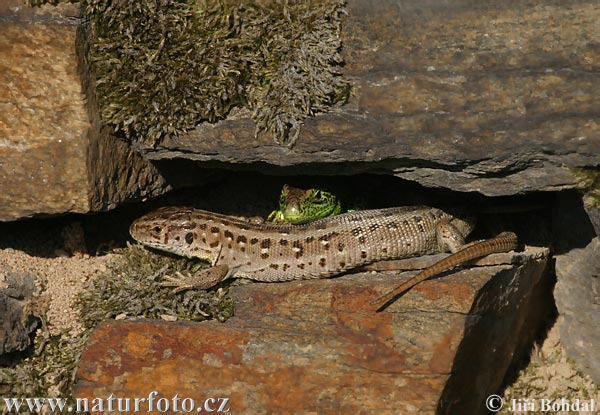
(305, 205)
(170, 229)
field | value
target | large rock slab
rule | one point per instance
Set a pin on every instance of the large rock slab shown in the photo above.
(314, 347)
(489, 96)
(54, 157)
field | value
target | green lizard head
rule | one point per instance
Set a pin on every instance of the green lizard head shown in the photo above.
(302, 206)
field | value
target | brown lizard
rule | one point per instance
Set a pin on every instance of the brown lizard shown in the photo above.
(282, 252)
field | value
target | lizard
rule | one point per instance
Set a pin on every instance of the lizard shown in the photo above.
(304, 205)
(283, 252)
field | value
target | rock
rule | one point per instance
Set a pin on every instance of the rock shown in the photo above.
(593, 214)
(577, 266)
(469, 98)
(16, 321)
(484, 97)
(313, 347)
(577, 296)
(54, 158)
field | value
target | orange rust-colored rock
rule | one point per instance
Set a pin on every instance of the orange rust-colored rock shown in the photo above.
(313, 347)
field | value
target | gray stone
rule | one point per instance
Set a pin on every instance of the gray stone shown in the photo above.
(594, 215)
(474, 96)
(461, 95)
(16, 321)
(577, 266)
(577, 296)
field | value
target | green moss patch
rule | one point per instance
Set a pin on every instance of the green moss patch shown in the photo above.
(164, 66)
(589, 183)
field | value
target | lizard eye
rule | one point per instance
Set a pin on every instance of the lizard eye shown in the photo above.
(189, 237)
(156, 229)
(320, 197)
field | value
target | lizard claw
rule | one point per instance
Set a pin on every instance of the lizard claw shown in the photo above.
(203, 280)
(179, 282)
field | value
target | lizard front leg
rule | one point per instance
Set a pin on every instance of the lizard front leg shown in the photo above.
(449, 237)
(202, 280)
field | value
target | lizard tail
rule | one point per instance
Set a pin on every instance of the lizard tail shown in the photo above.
(503, 242)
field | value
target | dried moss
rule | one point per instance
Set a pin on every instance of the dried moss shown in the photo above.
(164, 66)
(132, 287)
(300, 75)
(48, 372)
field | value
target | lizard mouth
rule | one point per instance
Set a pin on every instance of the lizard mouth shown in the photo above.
(173, 251)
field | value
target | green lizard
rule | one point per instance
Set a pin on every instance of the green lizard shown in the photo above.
(298, 206)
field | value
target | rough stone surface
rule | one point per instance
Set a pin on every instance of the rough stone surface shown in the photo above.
(577, 295)
(116, 172)
(54, 158)
(42, 122)
(488, 96)
(577, 265)
(593, 213)
(16, 321)
(462, 95)
(312, 347)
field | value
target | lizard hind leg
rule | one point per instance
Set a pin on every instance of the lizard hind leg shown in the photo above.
(449, 237)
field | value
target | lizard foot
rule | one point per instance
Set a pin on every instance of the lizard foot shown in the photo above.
(203, 280)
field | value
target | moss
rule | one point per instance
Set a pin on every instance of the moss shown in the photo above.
(164, 66)
(588, 181)
(300, 75)
(132, 287)
(49, 371)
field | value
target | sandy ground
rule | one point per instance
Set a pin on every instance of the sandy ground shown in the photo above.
(550, 375)
(62, 278)
(55, 252)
